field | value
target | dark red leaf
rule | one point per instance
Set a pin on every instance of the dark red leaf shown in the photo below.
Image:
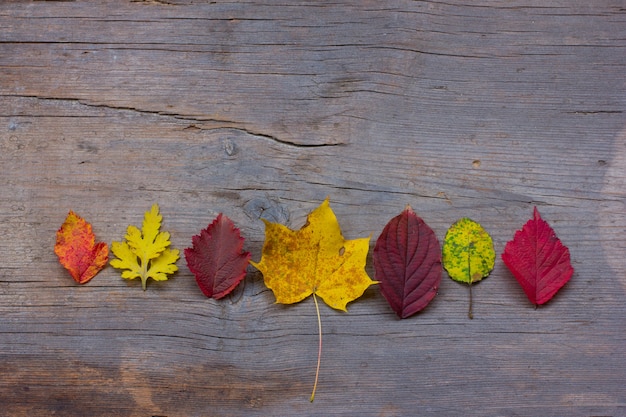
(538, 260)
(217, 258)
(407, 259)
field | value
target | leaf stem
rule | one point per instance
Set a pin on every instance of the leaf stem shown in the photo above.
(470, 245)
(470, 314)
(319, 352)
(144, 272)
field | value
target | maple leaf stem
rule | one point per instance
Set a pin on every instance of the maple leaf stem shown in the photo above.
(319, 351)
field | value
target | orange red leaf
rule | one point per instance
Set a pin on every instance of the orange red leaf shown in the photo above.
(77, 249)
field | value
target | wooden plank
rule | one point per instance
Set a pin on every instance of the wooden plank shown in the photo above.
(262, 109)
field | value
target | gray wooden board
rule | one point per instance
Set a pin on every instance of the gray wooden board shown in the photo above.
(261, 110)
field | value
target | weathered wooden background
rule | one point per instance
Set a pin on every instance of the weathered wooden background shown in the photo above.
(262, 109)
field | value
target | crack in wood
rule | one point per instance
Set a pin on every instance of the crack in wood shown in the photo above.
(585, 112)
(229, 124)
(160, 2)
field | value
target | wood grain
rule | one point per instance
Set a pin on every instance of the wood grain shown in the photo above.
(261, 109)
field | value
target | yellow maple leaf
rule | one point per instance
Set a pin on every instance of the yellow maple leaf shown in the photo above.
(145, 253)
(314, 260)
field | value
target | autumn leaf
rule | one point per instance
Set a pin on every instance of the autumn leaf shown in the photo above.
(145, 254)
(468, 254)
(217, 259)
(315, 260)
(538, 260)
(407, 260)
(77, 249)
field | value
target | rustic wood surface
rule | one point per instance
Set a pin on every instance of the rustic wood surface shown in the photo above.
(261, 109)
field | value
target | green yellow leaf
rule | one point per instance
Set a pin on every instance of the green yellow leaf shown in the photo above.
(145, 254)
(468, 253)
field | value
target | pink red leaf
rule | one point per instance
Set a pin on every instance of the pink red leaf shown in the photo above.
(407, 259)
(217, 259)
(538, 260)
(77, 249)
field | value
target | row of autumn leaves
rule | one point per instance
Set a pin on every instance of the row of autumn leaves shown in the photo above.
(317, 259)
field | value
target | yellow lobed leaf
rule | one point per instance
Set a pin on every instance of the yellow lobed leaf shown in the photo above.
(144, 254)
(314, 260)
